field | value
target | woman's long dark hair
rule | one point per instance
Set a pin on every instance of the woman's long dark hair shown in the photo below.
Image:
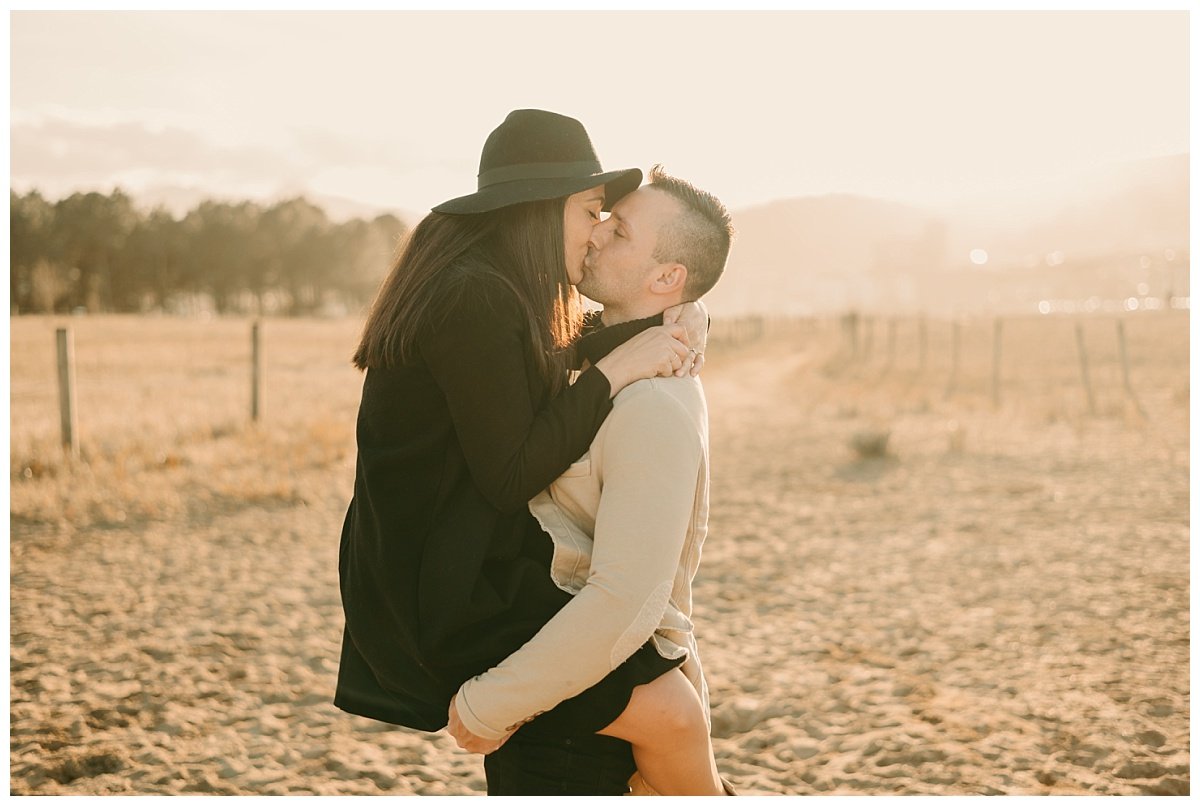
(522, 245)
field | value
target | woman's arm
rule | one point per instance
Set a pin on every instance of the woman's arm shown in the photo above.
(597, 340)
(477, 356)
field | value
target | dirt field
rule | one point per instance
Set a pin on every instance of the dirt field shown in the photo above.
(998, 602)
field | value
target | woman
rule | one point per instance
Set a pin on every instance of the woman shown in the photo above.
(466, 414)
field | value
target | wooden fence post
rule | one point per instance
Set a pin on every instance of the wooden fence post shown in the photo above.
(996, 334)
(256, 370)
(1083, 368)
(923, 339)
(1125, 369)
(66, 391)
(954, 338)
(891, 343)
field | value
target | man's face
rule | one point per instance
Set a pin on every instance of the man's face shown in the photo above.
(580, 213)
(620, 260)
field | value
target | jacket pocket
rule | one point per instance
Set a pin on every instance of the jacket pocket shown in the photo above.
(581, 468)
(673, 620)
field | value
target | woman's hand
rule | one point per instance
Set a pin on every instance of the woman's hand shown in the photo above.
(694, 317)
(658, 351)
(469, 741)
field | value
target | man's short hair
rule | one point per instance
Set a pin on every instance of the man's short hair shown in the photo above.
(699, 237)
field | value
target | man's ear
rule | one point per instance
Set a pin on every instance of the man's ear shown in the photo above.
(669, 278)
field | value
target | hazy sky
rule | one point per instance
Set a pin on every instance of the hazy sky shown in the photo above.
(391, 108)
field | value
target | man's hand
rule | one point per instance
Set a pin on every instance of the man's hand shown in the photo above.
(694, 317)
(469, 741)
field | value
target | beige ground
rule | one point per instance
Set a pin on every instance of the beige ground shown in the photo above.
(998, 605)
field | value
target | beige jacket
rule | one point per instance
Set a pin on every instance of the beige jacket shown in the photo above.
(628, 521)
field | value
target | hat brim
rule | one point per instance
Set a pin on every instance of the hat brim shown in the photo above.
(617, 184)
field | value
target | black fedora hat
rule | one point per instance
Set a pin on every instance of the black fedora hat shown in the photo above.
(535, 155)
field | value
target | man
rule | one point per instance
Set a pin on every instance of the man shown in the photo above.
(627, 520)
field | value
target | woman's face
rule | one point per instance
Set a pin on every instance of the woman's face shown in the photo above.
(581, 213)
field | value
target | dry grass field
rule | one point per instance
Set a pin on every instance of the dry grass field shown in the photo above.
(906, 588)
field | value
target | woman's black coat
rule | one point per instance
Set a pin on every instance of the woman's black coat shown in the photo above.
(443, 569)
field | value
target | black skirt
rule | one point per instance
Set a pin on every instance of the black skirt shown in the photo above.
(598, 706)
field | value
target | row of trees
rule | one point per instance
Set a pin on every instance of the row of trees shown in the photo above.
(101, 253)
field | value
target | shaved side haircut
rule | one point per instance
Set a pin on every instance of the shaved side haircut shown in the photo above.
(699, 237)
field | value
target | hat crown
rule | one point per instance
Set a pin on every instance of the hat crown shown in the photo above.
(535, 137)
(535, 155)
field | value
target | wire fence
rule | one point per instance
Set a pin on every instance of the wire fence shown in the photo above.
(1100, 358)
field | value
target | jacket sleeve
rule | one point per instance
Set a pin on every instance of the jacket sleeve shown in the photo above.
(650, 465)
(477, 357)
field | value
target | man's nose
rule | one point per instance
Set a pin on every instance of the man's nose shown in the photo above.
(599, 235)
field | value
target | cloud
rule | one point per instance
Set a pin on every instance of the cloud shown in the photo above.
(56, 151)
(59, 151)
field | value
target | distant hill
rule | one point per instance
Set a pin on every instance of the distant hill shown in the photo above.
(1104, 233)
(811, 254)
(1139, 206)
